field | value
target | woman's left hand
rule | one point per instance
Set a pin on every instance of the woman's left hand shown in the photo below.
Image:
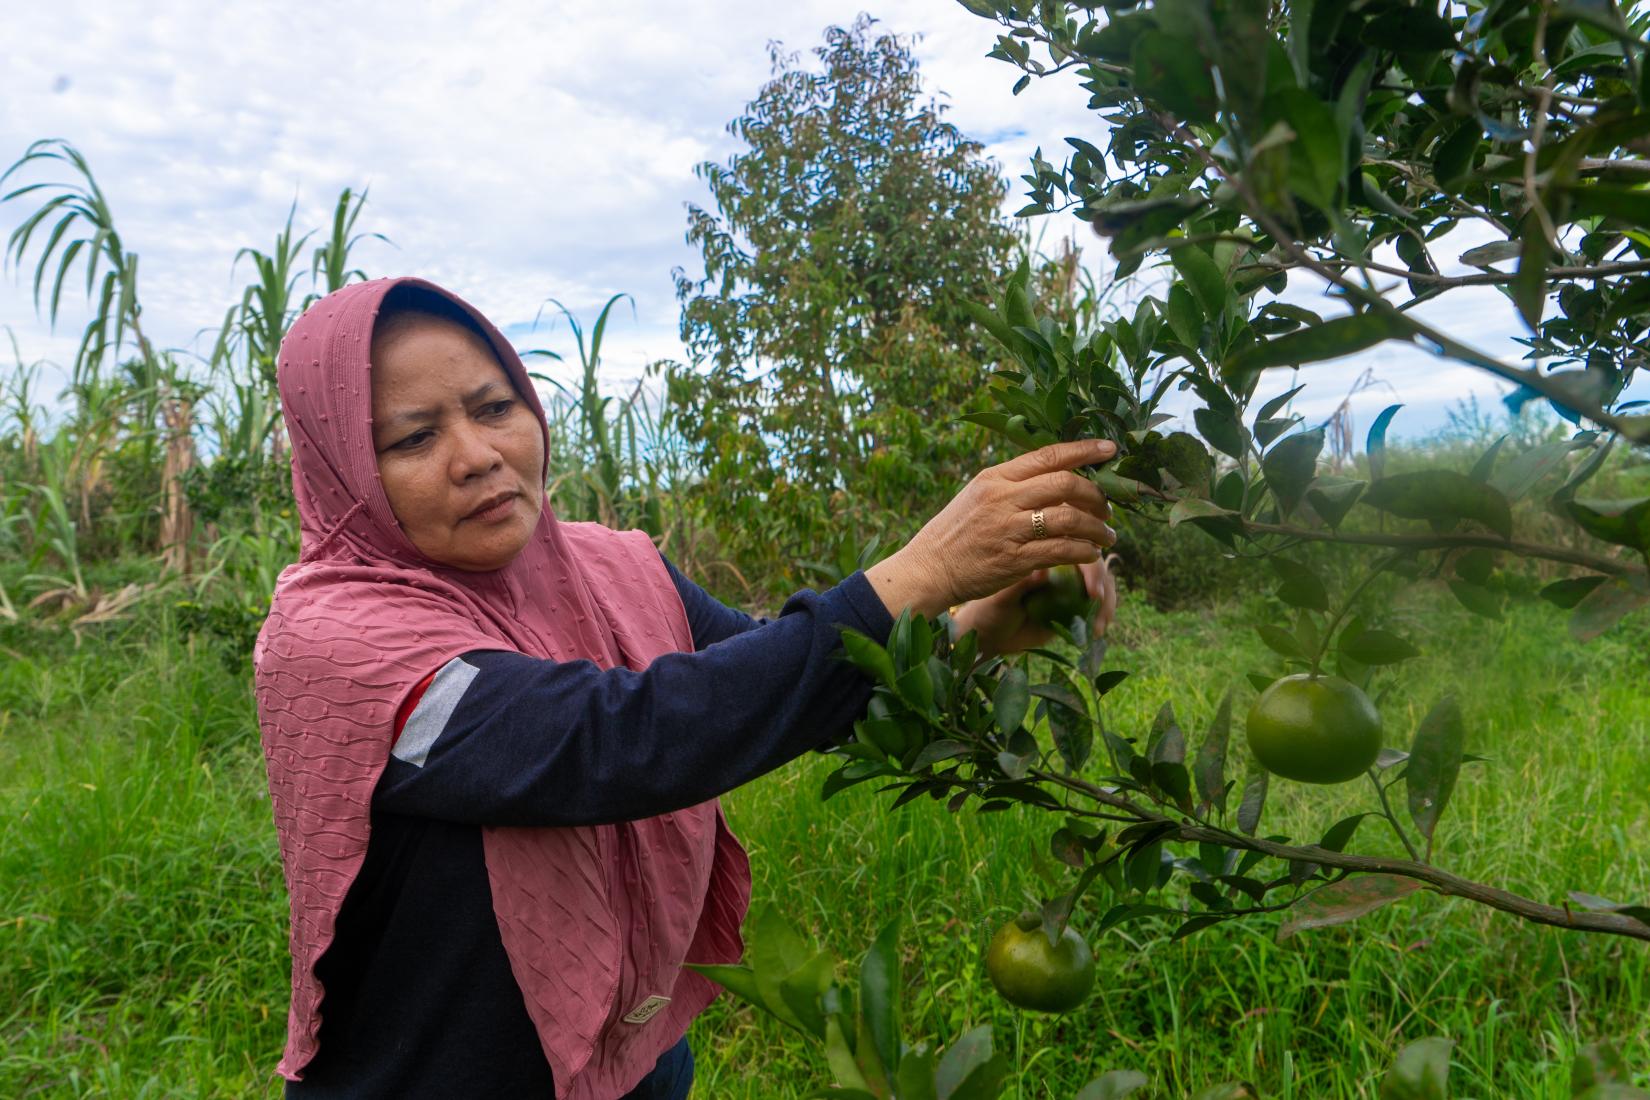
(1000, 619)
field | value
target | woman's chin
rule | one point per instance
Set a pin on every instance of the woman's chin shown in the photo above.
(483, 552)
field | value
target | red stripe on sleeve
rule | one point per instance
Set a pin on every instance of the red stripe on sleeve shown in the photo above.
(410, 704)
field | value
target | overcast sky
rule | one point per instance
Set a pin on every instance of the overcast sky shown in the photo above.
(515, 152)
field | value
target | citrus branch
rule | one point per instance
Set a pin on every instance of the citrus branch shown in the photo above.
(1446, 540)
(1454, 540)
(1617, 924)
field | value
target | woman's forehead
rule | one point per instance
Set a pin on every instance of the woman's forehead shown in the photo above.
(423, 351)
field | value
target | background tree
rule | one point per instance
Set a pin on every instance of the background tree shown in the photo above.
(827, 329)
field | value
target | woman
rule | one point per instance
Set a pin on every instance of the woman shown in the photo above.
(495, 740)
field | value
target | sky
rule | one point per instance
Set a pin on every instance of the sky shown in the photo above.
(515, 152)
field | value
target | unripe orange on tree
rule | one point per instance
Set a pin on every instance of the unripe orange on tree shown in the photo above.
(1314, 729)
(1032, 973)
(1063, 598)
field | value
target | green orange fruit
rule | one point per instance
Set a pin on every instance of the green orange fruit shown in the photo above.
(1063, 598)
(1032, 973)
(1314, 729)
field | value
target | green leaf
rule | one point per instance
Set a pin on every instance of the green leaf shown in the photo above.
(1142, 865)
(1203, 277)
(1434, 764)
(1266, 431)
(1340, 833)
(1184, 316)
(1282, 642)
(879, 993)
(1333, 339)
(1271, 408)
(970, 1069)
(1290, 465)
(1452, 161)
(1476, 598)
(1485, 464)
(1494, 252)
(1421, 1072)
(916, 687)
(1607, 605)
(1570, 591)
(936, 751)
(1344, 901)
(1192, 508)
(987, 319)
(1186, 460)
(868, 655)
(1519, 474)
(1254, 800)
(1600, 1073)
(915, 1079)
(1299, 586)
(1011, 700)
(1114, 1085)
(840, 1057)
(1167, 742)
(1409, 30)
(1118, 488)
(869, 1059)
(1333, 497)
(738, 980)
(1626, 204)
(1209, 770)
(1017, 300)
(1223, 430)
(1475, 565)
(1317, 156)
(1171, 71)
(1442, 497)
(1623, 522)
(775, 952)
(803, 988)
(1529, 287)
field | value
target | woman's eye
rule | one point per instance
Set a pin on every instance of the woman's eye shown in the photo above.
(498, 408)
(412, 441)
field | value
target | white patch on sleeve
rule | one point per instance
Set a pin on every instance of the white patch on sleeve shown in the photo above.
(433, 711)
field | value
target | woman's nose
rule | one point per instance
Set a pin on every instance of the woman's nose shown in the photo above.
(473, 452)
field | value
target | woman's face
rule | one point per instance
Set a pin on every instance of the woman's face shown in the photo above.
(460, 454)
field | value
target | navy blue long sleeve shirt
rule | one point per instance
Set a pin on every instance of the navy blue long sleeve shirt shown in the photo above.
(419, 998)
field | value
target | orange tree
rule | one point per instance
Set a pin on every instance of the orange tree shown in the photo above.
(1243, 148)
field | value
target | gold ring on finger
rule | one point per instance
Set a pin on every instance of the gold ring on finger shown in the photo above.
(1038, 530)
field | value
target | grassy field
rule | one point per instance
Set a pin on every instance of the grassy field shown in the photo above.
(143, 918)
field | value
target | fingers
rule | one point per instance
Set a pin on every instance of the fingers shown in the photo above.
(1064, 521)
(1060, 487)
(1062, 551)
(1057, 456)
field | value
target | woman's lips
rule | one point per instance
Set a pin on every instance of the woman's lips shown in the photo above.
(494, 512)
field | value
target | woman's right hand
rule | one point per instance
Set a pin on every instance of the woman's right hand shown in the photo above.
(982, 540)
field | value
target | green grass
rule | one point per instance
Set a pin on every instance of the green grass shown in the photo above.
(143, 918)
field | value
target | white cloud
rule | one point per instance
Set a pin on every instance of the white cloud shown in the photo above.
(515, 151)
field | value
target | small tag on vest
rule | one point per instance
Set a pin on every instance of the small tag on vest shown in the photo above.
(645, 1011)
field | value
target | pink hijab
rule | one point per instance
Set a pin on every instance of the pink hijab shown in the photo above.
(596, 921)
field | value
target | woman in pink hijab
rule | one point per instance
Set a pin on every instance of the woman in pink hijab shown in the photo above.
(495, 740)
